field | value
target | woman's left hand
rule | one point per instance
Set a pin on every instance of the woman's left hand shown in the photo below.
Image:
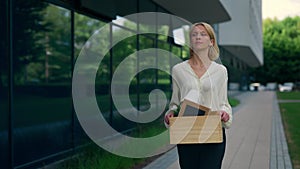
(224, 116)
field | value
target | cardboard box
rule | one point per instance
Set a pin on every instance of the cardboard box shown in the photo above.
(195, 124)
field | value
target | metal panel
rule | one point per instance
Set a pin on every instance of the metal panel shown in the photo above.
(196, 11)
(104, 7)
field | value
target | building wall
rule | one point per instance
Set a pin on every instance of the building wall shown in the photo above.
(242, 35)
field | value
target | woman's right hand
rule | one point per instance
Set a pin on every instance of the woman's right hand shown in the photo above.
(168, 116)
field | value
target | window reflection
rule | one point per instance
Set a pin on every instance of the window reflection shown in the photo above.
(44, 125)
(124, 22)
(94, 44)
(120, 52)
(42, 76)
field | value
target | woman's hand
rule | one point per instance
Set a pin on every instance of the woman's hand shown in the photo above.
(224, 116)
(168, 116)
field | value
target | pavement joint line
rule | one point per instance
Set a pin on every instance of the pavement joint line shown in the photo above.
(239, 146)
(256, 140)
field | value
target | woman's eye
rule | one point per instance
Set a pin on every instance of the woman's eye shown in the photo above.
(201, 34)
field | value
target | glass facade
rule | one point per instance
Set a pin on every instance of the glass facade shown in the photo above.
(42, 102)
(4, 86)
(84, 28)
(47, 40)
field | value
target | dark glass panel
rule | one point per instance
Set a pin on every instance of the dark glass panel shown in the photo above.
(42, 77)
(93, 44)
(4, 120)
(120, 53)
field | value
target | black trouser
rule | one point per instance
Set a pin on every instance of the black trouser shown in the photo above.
(202, 156)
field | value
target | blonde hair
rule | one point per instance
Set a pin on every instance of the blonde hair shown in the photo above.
(214, 51)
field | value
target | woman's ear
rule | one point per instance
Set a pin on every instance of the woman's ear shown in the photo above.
(211, 42)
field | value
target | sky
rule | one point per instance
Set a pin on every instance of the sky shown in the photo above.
(280, 8)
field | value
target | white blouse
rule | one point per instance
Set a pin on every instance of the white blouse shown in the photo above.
(210, 90)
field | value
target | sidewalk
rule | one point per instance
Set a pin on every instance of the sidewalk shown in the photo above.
(255, 140)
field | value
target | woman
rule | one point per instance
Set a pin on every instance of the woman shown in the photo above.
(202, 76)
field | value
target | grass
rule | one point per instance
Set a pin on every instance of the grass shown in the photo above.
(290, 116)
(289, 95)
(95, 157)
(233, 102)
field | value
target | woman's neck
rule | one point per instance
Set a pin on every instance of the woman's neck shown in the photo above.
(200, 60)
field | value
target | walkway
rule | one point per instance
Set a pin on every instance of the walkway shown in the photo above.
(256, 139)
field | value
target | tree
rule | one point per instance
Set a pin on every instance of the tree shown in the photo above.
(28, 28)
(281, 40)
(56, 57)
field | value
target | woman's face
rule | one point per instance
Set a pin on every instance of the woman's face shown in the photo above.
(200, 38)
